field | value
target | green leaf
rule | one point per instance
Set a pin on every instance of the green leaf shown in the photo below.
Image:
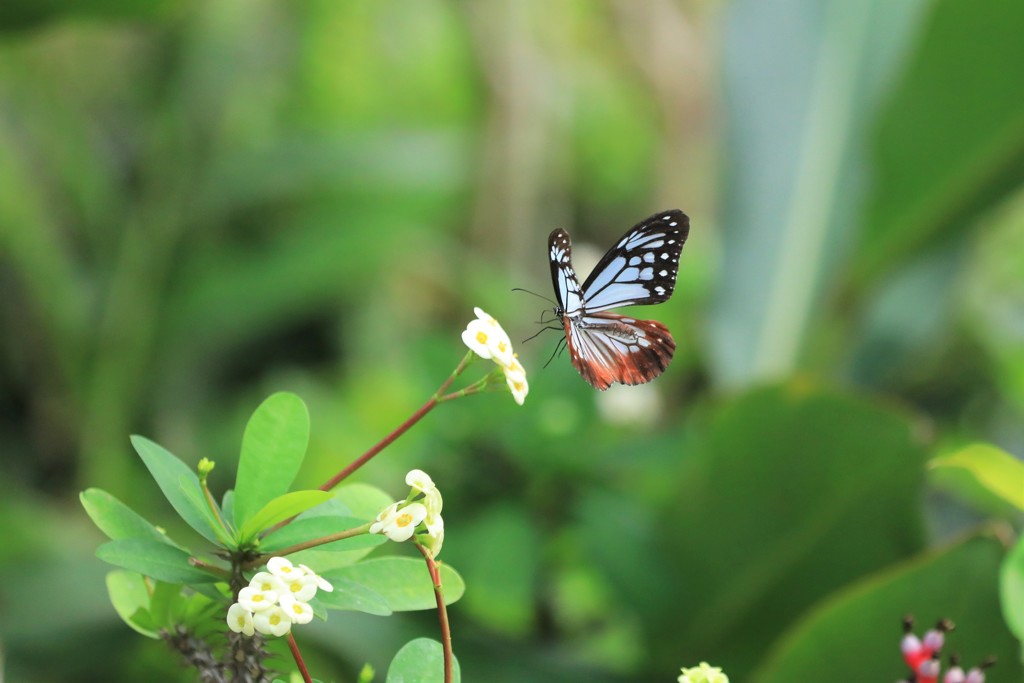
(421, 661)
(791, 493)
(130, 599)
(950, 142)
(794, 152)
(958, 582)
(1011, 589)
(349, 595)
(495, 560)
(318, 527)
(983, 473)
(117, 520)
(362, 500)
(273, 447)
(153, 558)
(402, 581)
(280, 509)
(164, 603)
(180, 486)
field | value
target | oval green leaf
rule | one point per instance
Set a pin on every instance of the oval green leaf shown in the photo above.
(280, 509)
(273, 447)
(421, 661)
(1011, 589)
(352, 596)
(402, 581)
(957, 582)
(983, 474)
(180, 486)
(128, 595)
(117, 520)
(153, 558)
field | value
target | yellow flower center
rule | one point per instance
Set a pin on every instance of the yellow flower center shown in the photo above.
(296, 608)
(481, 337)
(404, 519)
(257, 598)
(502, 346)
(275, 619)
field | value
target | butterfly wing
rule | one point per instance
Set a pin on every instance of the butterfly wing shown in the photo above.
(567, 287)
(607, 347)
(640, 269)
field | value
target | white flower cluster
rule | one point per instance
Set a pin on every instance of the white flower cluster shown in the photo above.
(486, 338)
(703, 674)
(400, 520)
(276, 599)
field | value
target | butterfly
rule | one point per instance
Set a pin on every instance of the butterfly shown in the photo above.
(640, 269)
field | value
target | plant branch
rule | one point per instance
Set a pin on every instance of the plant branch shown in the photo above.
(442, 613)
(293, 646)
(401, 429)
(347, 533)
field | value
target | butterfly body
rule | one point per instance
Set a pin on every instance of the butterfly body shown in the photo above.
(640, 269)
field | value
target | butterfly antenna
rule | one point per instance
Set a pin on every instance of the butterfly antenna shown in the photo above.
(539, 296)
(559, 347)
(543, 329)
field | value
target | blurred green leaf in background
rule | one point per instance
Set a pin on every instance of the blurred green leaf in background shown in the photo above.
(205, 203)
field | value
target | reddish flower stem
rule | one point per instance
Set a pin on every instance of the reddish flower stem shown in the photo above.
(401, 429)
(384, 443)
(442, 614)
(293, 646)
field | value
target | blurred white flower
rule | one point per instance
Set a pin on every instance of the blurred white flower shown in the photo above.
(256, 600)
(265, 581)
(321, 583)
(282, 568)
(240, 619)
(297, 610)
(273, 621)
(420, 481)
(703, 674)
(515, 377)
(301, 588)
(486, 338)
(397, 523)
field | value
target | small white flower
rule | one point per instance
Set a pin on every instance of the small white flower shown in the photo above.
(240, 619)
(273, 621)
(434, 538)
(382, 518)
(265, 581)
(298, 611)
(433, 502)
(256, 600)
(301, 588)
(420, 481)
(515, 376)
(321, 583)
(486, 338)
(282, 568)
(398, 524)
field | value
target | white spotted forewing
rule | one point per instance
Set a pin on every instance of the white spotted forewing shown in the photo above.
(639, 269)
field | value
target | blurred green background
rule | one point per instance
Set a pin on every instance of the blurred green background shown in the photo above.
(202, 203)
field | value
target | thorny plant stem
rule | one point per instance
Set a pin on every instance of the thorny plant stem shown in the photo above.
(401, 429)
(293, 646)
(442, 613)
